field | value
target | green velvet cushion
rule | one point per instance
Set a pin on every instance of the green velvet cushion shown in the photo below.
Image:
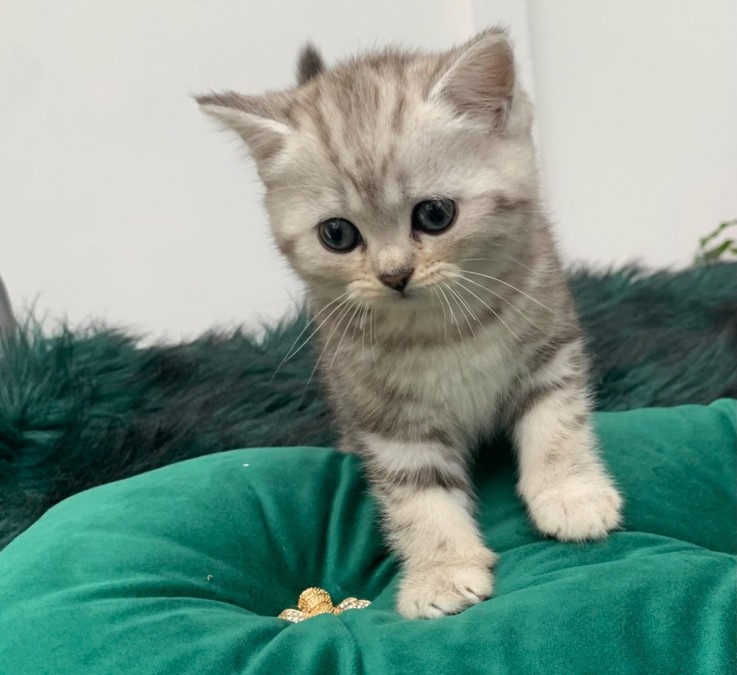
(184, 569)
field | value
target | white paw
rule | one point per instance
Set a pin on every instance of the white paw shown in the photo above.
(577, 509)
(441, 589)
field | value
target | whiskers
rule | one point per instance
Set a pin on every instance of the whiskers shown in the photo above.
(508, 285)
(346, 312)
(501, 297)
(496, 314)
(464, 307)
(460, 288)
(292, 352)
(442, 289)
(442, 306)
(463, 295)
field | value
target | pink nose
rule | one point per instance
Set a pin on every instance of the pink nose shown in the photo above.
(397, 280)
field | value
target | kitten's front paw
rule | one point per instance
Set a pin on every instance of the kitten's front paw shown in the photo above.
(435, 591)
(577, 509)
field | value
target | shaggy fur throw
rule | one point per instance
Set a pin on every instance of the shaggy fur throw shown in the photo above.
(85, 408)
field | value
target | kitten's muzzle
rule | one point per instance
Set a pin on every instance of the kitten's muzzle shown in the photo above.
(398, 279)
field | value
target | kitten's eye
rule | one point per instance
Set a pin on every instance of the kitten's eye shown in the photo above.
(338, 234)
(434, 215)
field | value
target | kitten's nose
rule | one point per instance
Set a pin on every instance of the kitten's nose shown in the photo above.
(397, 280)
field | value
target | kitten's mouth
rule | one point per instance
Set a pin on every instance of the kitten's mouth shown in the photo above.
(408, 295)
(396, 297)
(404, 294)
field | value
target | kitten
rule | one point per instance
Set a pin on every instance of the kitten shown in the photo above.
(403, 189)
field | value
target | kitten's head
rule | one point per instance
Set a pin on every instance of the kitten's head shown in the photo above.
(385, 174)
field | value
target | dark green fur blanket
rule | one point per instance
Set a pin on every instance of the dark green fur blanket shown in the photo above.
(78, 409)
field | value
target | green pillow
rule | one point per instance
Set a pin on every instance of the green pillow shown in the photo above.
(184, 569)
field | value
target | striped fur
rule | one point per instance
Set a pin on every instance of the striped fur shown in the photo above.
(483, 336)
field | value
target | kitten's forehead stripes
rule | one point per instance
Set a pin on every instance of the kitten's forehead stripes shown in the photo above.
(350, 138)
(359, 111)
(400, 103)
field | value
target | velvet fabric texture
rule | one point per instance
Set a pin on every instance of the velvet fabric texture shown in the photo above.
(184, 569)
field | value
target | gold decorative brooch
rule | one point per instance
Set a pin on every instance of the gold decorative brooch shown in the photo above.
(314, 601)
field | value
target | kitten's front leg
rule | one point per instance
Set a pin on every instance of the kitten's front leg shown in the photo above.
(427, 504)
(561, 478)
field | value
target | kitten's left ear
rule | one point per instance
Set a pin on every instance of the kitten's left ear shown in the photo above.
(309, 64)
(261, 121)
(480, 81)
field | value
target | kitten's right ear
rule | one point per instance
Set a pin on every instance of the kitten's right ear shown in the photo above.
(480, 79)
(261, 121)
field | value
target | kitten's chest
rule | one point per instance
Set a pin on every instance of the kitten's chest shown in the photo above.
(461, 384)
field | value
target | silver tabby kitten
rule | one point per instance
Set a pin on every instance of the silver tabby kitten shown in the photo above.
(403, 189)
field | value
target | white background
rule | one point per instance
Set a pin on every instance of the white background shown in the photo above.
(119, 200)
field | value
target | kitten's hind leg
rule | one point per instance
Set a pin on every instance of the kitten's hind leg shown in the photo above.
(563, 481)
(427, 505)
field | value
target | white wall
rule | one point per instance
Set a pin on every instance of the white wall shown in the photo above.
(637, 110)
(119, 200)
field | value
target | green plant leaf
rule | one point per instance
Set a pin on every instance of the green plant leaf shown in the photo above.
(714, 254)
(704, 255)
